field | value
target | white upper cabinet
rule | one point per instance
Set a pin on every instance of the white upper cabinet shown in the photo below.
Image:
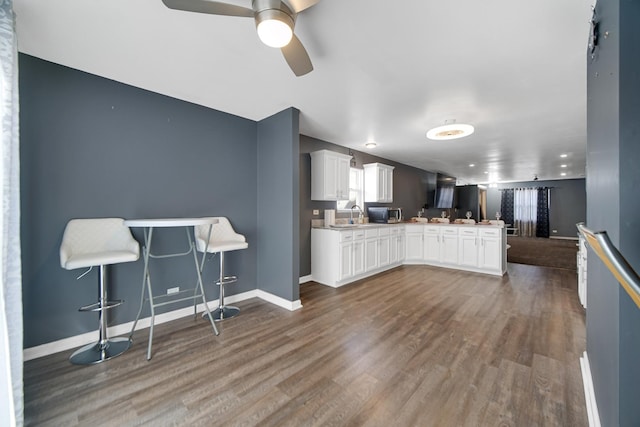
(378, 183)
(329, 175)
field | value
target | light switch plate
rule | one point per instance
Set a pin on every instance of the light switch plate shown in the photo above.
(316, 211)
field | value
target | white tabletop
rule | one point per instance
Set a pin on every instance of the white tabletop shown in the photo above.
(169, 222)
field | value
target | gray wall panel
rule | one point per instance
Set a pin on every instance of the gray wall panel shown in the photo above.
(92, 147)
(278, 204)
(603, 213)
(613, 152)
(629, 205)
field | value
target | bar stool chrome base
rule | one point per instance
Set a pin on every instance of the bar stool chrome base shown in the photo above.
(97, 352)
(222, 313)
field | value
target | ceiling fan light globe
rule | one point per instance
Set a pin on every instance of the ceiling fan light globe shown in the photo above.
(275, 28)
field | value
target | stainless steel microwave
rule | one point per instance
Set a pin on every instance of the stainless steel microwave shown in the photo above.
(384, 215)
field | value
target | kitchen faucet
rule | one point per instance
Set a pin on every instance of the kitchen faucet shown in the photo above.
(360, 214)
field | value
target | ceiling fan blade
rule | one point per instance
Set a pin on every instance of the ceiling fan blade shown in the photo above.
(297, 57)
(210, 7)
(300, 5)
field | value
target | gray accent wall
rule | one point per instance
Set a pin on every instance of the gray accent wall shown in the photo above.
(409, 190)
(92, 147)
(278, 217)
(613, 180)
(567, 203)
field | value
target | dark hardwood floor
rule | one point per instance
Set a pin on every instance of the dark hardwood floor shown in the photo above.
(415, 346)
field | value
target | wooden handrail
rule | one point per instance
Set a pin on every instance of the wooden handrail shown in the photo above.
(603, 247)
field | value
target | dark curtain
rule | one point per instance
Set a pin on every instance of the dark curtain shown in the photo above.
(506, 206)
(542, 225)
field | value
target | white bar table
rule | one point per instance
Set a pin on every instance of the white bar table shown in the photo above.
(149, 225)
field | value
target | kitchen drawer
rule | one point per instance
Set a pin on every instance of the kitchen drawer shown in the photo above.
(346, 236)
(414, 228)
(449, 231)
(494, 232)
(371, 232)
(384, 231)
(468, 232)
(358, 234)
(432, 229)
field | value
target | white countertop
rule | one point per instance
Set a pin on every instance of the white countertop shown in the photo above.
(340, 227)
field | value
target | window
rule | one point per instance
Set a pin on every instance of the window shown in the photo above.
(356, 191)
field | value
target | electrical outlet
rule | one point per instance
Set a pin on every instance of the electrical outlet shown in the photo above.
(173, 290)
(554, 231)
(316, 211)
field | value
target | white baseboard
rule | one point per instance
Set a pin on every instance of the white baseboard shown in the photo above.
(589, 392)
(305, 279)
(125, 328)
(564, 238)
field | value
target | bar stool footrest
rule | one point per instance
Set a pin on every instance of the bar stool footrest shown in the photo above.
(227, 280)
(97, 307)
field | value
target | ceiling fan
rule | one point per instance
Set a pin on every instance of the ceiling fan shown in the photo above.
(274, 22)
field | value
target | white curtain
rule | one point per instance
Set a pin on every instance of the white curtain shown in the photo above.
(525, 210)
(11, 397)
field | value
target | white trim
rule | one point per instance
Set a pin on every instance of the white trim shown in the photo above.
(124, 329)
(563, 238)
(305, 279)
(280, 302)
(589, 392)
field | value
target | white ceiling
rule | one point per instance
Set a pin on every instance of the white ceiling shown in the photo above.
(384, 70)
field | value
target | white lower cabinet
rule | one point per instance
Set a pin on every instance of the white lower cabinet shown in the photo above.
(474, 248)
(358, 257)
(414, 238)
(396, 245)
(346, 260)
(432, 243)
(339, 257)
(449, 245)
(468, 247)
(384, 247)
(371, 249)
(491, 255)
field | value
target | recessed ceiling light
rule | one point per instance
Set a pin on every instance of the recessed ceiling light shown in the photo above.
(471, 165)
(486, 172)
(563, 174)
(452, 131)
(563, 155)
(563, 166)
(370, 144)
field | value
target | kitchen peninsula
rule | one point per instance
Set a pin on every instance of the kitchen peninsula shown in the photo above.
(345, 253)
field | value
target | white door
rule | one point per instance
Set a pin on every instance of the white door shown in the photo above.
(449, 249)
(384, 244)
(414, 247)
(432, 246)
(358, 257)
(401, 246)
(468, 251)
(490, 253)
(371, 254)
(393, 248)
(342, 180)
(346, 261)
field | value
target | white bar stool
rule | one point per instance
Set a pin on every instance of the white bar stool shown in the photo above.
(98, 242)
(223, 239)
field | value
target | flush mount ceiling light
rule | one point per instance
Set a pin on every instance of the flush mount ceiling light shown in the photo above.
(450, 131)
(370, 144)
(275, 27)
